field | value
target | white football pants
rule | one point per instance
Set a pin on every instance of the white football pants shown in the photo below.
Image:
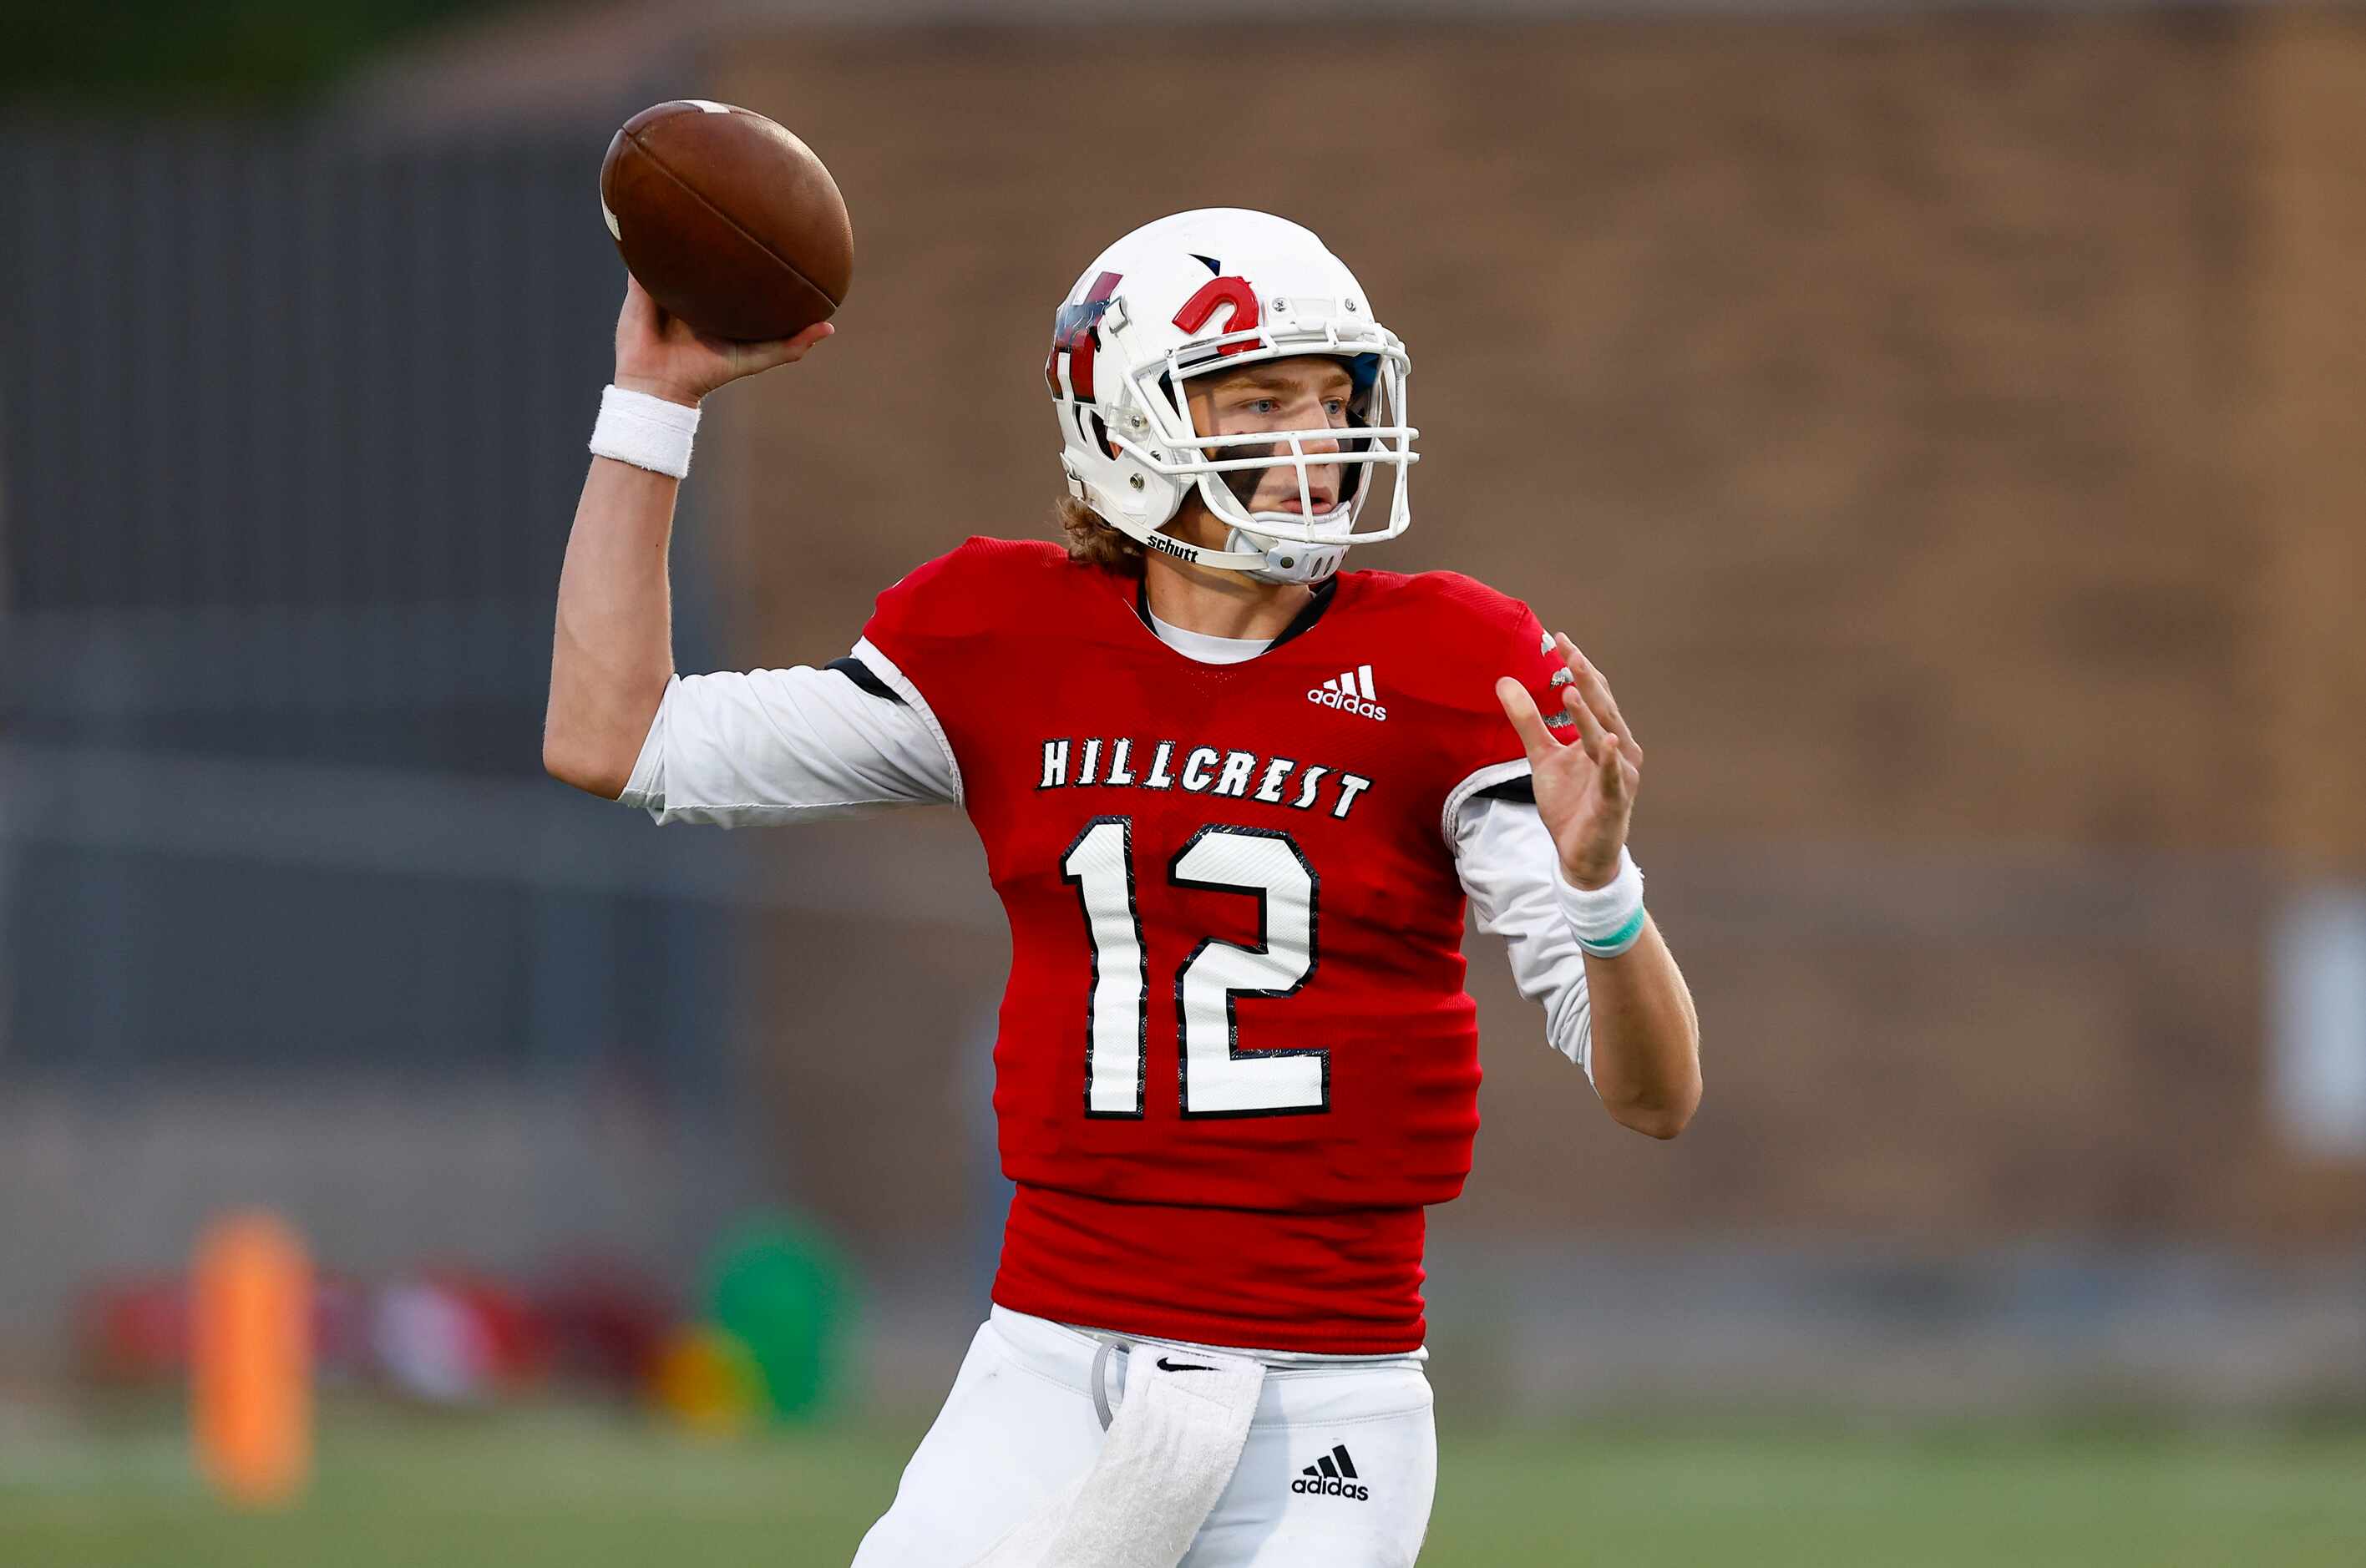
(1338, 1471)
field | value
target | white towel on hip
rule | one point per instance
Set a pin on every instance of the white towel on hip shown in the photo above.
(1171, 1449)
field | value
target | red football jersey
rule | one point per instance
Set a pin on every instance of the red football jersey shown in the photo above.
(1235, 1057)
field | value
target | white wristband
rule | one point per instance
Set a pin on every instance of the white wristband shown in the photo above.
(1606, 920)
(647, 433)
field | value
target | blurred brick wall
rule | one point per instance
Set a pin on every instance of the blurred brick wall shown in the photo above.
(1942, 431)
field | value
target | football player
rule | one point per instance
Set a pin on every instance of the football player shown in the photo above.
(1234, 799)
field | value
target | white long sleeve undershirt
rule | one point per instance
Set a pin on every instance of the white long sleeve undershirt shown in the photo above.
(770, 746)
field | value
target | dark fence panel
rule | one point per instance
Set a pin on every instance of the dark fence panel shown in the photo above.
(291, 426)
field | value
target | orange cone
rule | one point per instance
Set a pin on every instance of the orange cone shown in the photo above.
(251, 1359)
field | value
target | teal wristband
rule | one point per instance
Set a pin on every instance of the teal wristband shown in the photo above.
(1619, 941)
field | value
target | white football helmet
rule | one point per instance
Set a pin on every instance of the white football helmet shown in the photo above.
(1209, 291)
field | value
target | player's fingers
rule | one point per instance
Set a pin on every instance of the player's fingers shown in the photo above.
(638, 314)
(1593, 683)
(783, 351)
(1599, 697)
(1521, 709)
(802, 343)
(1591, 733)
(1587, 680)
(1612, 766)
(1617, 720)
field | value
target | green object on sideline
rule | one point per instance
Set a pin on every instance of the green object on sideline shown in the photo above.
(786, 1291)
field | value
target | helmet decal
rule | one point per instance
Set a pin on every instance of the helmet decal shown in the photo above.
(1233, 291)
(1072, 333)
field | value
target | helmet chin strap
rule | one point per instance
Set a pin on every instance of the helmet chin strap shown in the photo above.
(1253, 555)
(1228, 559)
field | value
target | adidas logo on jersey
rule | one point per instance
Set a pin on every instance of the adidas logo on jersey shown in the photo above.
(1350, 693)
(1332, 1475)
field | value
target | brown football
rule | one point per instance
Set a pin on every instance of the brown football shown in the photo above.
(729, 222)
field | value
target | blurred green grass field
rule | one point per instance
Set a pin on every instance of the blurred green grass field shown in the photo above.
(578, 1489)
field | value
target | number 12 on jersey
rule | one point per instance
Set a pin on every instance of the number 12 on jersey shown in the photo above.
(1218, 1078)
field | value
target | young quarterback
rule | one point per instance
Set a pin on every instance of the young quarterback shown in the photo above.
(1234, 799)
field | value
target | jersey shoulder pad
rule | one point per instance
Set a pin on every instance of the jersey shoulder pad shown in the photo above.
(1445, 601)
(1467, 636)
(1464, 628)
(980, 584)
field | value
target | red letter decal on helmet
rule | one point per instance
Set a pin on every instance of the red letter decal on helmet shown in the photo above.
(1072, 333)
(1233, 291)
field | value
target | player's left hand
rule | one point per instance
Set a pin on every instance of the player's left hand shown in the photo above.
(1584, 793)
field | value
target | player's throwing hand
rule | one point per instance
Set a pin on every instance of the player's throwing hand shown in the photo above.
(1585, 792)
(665, 356)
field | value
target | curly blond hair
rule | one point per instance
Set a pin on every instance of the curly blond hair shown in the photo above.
(1094, 543)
